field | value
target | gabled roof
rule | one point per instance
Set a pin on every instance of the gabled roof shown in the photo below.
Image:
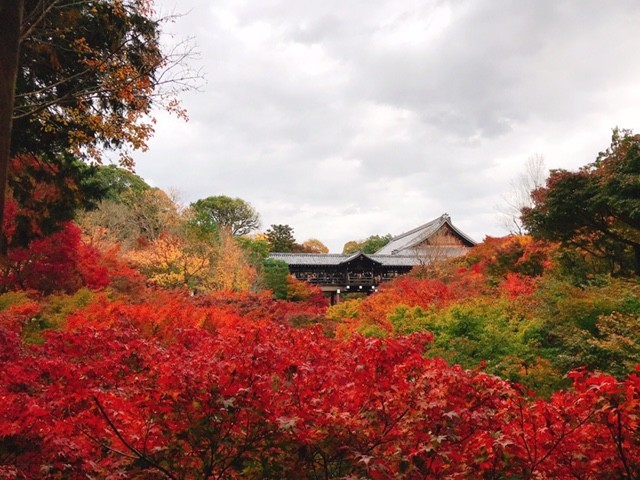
(405, 242)
(359, 254)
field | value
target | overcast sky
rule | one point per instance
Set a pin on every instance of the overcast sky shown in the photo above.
(350, 118)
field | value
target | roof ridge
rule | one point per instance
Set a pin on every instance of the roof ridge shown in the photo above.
(433, 227)
(416, 229)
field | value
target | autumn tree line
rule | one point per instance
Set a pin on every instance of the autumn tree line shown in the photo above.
(144, 339)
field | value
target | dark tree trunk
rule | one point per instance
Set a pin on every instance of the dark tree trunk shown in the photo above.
(11, 12)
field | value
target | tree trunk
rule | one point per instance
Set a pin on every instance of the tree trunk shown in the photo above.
(11, 12)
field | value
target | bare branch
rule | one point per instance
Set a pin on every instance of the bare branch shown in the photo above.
(532, 177)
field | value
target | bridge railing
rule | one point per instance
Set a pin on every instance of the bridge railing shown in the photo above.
(341, 279)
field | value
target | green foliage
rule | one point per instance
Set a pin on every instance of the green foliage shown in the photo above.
(616, 347)
(202, 224)
(491, 328)
(564, 303)
(580, 323)
(407, 320)
(33, 329)
(280, 238)
(50, 313)
(521, 309)
(574, 267)
(257, 249)
(372, 331)
(596, 209)
(10, 299)
(535, 339)
(499, 334)
(56, 308)
(119, 184)
(274, 275)
(233, 214)
(369, 245)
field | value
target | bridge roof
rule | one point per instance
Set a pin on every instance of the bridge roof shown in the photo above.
(335, 259)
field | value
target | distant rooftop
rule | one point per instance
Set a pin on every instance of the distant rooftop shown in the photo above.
(407, 243)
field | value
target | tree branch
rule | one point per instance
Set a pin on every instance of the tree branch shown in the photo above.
(130, 447)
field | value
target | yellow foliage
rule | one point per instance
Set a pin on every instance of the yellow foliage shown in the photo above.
(230, 269)
(346, 314)
(199, 264)
(346, 309)
(170, 261)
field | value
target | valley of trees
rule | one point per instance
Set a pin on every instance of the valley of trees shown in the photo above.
(142, 338)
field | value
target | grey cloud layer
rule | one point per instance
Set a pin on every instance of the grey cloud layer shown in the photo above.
(346, 119)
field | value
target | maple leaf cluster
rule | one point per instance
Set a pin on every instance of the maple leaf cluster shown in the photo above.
(107, 397)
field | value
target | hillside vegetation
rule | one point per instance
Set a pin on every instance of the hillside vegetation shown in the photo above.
(145, 340)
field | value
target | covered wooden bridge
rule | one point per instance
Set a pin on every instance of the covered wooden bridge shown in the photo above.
(335, 273)
(361, 272)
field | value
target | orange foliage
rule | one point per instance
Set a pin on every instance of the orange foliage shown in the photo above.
(157, 312)
(374, 310)
(167, 383)
(514, 253)
(298, 291)
(516, 285)
(231, 270)
(495, 267)
(169, 262)
(203, 265)
(160, 314)
(15, 317)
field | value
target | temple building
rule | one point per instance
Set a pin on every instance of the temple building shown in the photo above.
(361, 272)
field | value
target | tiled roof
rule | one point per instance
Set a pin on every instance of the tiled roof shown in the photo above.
(403, 243)
(433, 252)
(321, 259)
(310, 258)
(397, 260)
